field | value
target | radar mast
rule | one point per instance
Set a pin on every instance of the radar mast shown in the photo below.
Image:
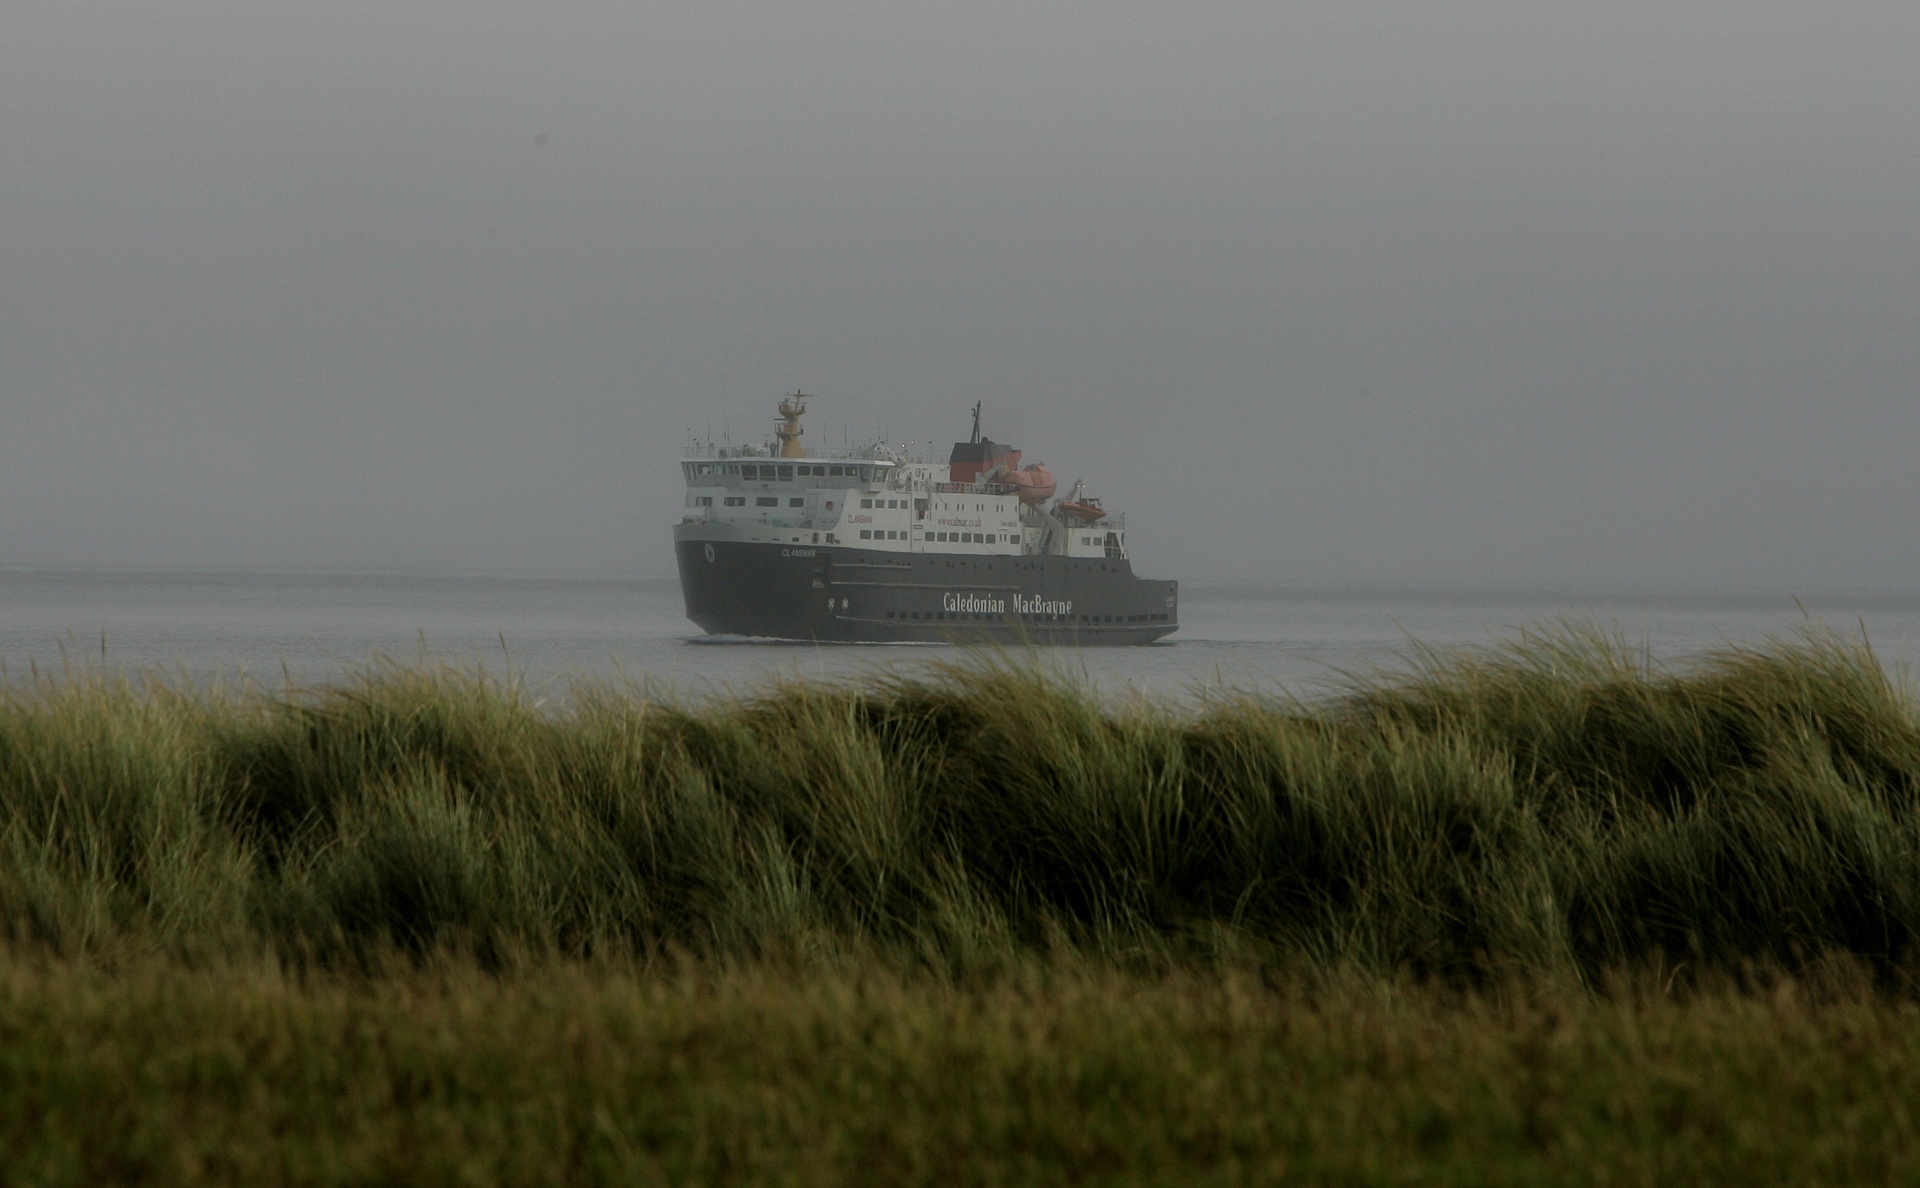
(792, 408)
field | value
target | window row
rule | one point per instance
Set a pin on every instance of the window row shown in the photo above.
(768, 472)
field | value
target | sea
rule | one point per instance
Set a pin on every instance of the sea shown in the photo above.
(280, 630)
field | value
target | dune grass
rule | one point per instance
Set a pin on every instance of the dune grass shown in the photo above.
(1547, 913)
(1560, 807)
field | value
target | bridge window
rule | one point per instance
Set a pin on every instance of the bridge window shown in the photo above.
(766, 501)
(736, 501)
(703, 500)
(866, 503)
(796, 503)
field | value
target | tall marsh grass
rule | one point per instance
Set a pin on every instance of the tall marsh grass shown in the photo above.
(1559, 807)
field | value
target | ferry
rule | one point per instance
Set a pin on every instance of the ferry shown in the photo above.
(879, 545)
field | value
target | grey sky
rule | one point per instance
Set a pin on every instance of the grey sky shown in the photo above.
(1466, 293)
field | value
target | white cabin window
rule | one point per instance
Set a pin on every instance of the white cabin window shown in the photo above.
(736, 501)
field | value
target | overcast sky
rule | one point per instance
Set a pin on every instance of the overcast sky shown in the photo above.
(1620, 294)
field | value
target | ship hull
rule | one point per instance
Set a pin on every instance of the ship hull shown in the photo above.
(837, 594)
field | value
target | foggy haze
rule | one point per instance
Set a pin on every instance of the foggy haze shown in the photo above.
(1317, 294)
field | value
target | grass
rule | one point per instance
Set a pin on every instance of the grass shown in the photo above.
(1557, 808)
(1546, 912)
(575, 1074)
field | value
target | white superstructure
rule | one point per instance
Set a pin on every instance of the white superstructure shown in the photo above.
(878, 498)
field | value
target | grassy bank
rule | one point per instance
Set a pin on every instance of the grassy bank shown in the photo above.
(1550, 914)
(579, 1075)
(1557, 809)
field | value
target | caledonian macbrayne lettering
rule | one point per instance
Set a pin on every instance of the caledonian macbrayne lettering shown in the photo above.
(878, 545)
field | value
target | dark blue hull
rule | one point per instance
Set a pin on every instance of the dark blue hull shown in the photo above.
(849, 595)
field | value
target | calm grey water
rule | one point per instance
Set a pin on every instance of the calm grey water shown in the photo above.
(320, 627)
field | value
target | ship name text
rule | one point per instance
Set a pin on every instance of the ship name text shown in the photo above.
(987, 604)
(983, 604)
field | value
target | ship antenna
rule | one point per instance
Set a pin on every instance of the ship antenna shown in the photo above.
(976, 420)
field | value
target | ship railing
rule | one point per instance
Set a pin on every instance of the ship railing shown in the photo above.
(973, 488)
(871, 454)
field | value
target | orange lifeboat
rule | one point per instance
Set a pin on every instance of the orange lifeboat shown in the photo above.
(1079, 507)
(1084, 511)
(1034, 484)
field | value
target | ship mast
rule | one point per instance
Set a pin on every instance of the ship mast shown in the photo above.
(789, 430)
(976, 420)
